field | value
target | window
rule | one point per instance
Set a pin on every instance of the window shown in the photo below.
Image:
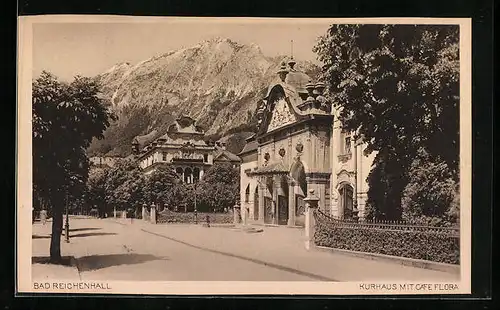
(205, 157)
(196, 175)
(188, 176)
(347, 144)
(164, 155)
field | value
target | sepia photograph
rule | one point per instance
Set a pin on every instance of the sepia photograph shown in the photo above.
(243, 156)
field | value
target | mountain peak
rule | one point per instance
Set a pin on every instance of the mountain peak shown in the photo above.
(217, 82)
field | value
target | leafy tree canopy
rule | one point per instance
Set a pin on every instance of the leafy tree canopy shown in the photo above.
(160, 185)
(66, 117)
(396, 85)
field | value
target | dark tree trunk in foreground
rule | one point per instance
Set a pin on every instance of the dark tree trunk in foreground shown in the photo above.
(55, 240)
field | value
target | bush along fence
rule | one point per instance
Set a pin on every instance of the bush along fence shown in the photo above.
(438, 244)
(168, 216)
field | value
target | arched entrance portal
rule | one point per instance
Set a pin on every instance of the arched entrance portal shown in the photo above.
(256, 204)
(298, 175)
(346, 199)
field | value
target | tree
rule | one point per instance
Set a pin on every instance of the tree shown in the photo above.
(219, 187)
(125, 184)
(430, 195)
(66, 117)
(396, 87)
(96, 189)
(160, 185)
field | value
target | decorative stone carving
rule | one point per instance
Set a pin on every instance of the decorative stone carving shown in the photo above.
(281, 115)
(282, 152)
(299, 147)
(345, 157)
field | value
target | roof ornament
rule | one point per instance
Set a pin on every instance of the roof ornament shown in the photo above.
(315, 101)
(291, 62)
(282, 73)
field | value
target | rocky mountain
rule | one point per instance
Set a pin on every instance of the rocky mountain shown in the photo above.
(218, 82)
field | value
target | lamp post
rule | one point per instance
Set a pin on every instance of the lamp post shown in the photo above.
(355, 191)
(67, 220)
(195, 206)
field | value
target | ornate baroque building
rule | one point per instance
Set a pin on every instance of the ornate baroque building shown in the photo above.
(184, 147)
(300, 146)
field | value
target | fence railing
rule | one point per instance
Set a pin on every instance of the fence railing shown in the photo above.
(326, 219)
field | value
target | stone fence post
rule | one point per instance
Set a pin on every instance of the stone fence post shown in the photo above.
(144, 206)
(236, 214)
(244, 214)
(153, 213)
(311, 203)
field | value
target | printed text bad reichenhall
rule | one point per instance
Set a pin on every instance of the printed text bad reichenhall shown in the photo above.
(70, 286)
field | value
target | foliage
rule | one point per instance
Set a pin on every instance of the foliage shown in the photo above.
(219, 187)
(96, 189)
(66, 117)
(431, 193)
(432, 246)
(124, 185)
(168, 216)
(182, 197)
(159, 185)
(397, 87)
(386, 182)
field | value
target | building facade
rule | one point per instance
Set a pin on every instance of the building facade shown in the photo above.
(300, 146)
(184, 148)
(104, 161)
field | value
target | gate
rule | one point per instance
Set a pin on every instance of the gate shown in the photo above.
(282, 210)
(268, 210)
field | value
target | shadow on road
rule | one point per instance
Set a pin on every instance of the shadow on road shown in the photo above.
(88, 228)
(40, 237)
(91, 235)
(65, 260)
(94, 262)
(75, 235)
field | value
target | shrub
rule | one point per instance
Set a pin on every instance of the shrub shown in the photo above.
(168, 216)
(433, 246)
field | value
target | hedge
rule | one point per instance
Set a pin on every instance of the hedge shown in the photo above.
(168, 216)
(433, 246)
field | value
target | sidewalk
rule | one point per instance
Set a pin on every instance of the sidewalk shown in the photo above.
(283, 248)
(41, 269)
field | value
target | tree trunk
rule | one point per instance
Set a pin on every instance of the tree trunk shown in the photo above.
(55, 240)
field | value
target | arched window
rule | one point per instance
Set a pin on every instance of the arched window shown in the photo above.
(196, 174)
(247, 193)
(188, 175)
(346, 199)
(179, 172)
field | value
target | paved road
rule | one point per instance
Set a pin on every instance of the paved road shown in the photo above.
(119, 250)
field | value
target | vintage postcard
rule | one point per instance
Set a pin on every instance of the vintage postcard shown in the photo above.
(243, 156)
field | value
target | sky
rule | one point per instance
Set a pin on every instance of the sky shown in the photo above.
(89, 48)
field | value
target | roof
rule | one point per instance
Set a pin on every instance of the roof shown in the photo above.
(225, 153)
(298, 80)
(185, 124)
(250, 147)
(272, 168)
(145, 139)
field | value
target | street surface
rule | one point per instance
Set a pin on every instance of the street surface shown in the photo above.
(109, 249)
